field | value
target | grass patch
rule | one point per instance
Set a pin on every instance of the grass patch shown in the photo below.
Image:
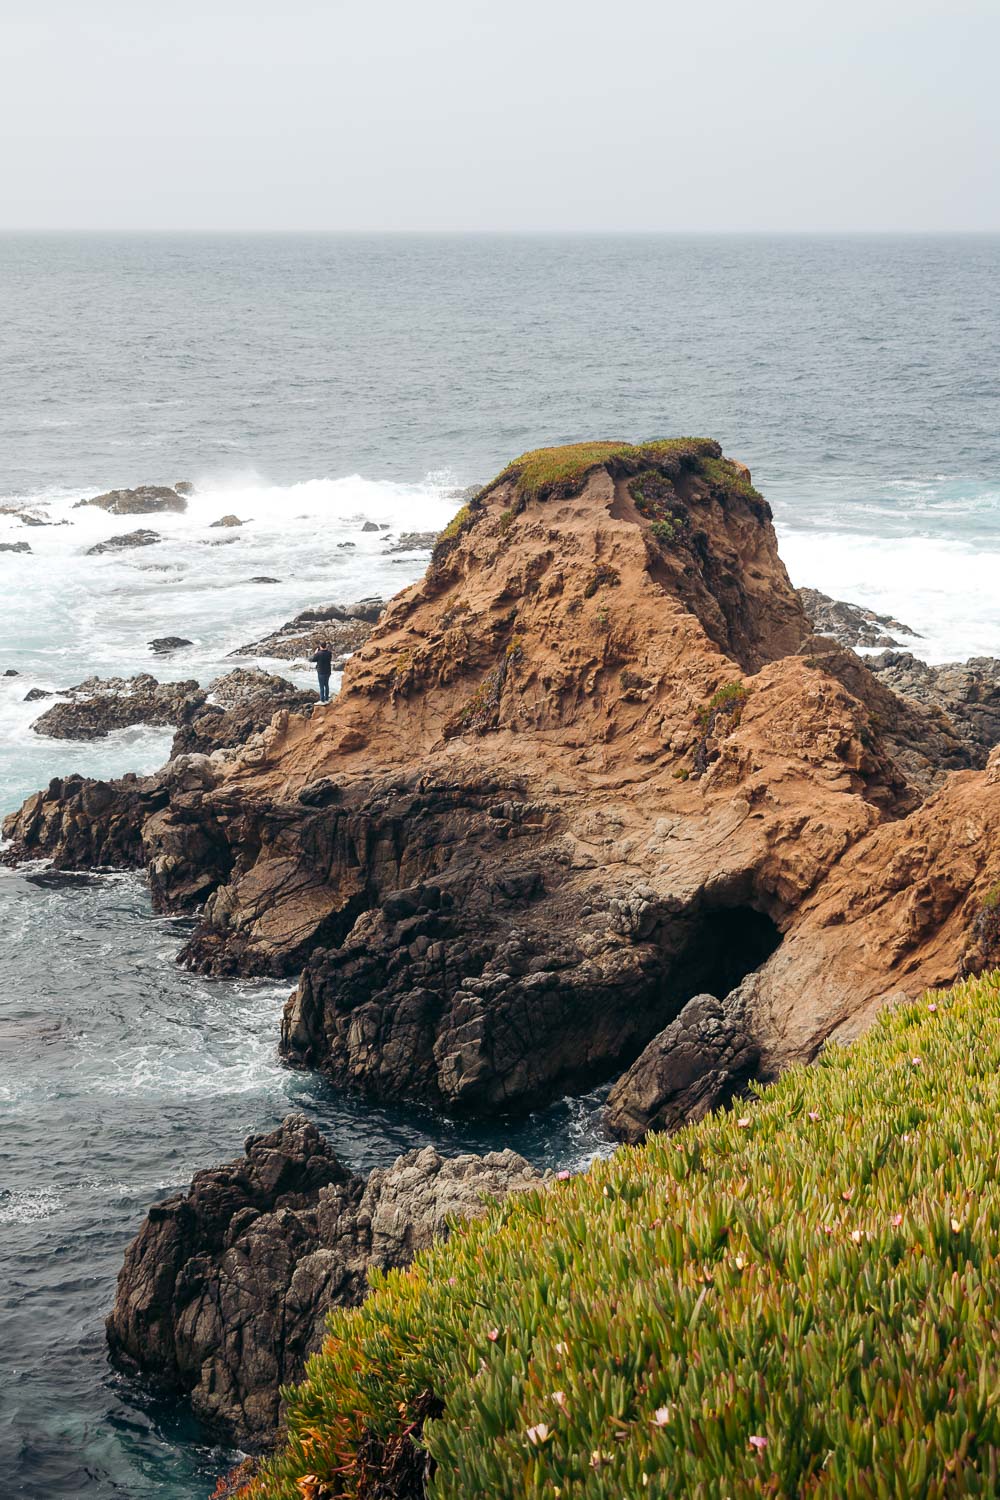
(546, 473)
(800, 1297)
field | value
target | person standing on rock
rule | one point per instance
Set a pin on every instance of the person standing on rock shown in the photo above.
(323, 658)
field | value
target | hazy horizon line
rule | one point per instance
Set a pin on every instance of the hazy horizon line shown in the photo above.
(525, 233)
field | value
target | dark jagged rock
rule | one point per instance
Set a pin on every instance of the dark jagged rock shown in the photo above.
(146, 500)
(14, 547)
(968, 692)
(850, 624)
(35, 695)
(246, 700)
(413, 541)
(101, 705)
(697, 1064)
(224, 1291)
(344, 627)
(228, 520)
(163, 645)
(12, 672)
(124, 542)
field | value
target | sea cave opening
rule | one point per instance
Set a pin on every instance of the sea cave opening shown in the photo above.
(720, 948)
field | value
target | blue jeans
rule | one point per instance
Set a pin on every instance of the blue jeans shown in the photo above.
(324, 689)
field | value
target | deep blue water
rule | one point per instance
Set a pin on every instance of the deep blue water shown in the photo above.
(310, 383)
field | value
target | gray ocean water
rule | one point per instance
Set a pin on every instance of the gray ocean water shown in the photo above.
(311, 383)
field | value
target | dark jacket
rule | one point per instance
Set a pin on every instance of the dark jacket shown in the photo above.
(322, 660)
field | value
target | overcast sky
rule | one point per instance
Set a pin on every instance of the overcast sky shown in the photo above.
(500, 114)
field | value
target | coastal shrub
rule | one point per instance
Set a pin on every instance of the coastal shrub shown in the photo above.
(664, 531)
(799, 1297)
(727, 702)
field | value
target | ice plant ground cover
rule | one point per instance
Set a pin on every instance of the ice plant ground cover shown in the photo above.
(797, 1297)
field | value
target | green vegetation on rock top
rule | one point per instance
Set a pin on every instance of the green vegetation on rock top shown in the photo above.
(798, 1297)
(562, 471)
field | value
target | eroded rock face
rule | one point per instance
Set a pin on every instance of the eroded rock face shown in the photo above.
(145, 500)
(224, 1291)
(100, 705)
(696, 1064)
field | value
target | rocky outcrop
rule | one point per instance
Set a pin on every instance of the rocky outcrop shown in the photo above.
(594, 764)
(227, 520)
(14, 547)
(851, 624)
(242, 705)
(146, 500)
(225, 1289)
(163, 645)
(967, 692)
(125, 541)
(696, 1064)
(344, 627)
(99, 705)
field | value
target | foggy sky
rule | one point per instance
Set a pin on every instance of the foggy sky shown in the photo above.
(509, 115)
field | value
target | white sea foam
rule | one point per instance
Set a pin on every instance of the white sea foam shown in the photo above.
(944, 589)
(27, 1206)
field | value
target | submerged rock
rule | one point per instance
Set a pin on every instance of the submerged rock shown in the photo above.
(127, 539)
(229, 520)
(146, 500)
(164, 644)
(225, 1289)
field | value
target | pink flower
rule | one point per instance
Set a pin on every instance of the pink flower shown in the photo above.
(758, 1442)
(493, 1335)
(538, 1433)
(847, 1194)
(932, 1007)
(915, 1062)
(451, 1280)
(559, 1397)
(814, 1114)
(896, 1220)
(743, 1122)
(857, 1236)
(562, 1176)
(661, 1416)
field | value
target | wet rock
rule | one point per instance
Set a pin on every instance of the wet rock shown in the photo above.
(229, 520)
(369, 526)
(184, 487)
(850, 624)
(263, 578)
(146, 500)
(414, 541)
(100, 705)
(127, 539)
(696, 1064)
(163, 645)
(35, 695)
(968, 692)
(14, 547)
(344, 627)
(225, 1289)
(12, 672)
